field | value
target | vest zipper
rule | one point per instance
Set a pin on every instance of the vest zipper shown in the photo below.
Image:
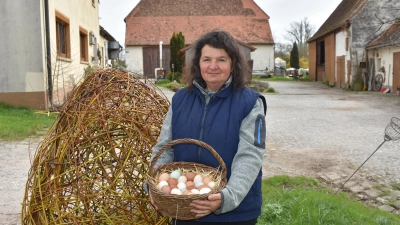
(202, 126)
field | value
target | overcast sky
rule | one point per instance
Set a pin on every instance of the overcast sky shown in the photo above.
(281, 13)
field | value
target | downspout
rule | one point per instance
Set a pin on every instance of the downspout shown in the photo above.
(48, 53)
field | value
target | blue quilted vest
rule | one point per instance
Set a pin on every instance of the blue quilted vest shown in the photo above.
(218, 125)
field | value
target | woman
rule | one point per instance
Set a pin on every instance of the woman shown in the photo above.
(219, 110)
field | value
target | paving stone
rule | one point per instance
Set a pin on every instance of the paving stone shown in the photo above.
(356, 189)
(381, 200)
(366, 185)
(372, 193)
(350, 184)
(395, 193)
(387, 208)
(332, 176)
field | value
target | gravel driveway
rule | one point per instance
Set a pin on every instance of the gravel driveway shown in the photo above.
(312, 130)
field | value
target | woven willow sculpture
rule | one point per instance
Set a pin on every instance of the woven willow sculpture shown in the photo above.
(91, 166)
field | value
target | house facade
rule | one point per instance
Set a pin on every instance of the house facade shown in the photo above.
(384, 55)
(150, 23)
(46, 51)
(338, 52)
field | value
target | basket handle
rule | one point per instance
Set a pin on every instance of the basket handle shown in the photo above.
(189, 141)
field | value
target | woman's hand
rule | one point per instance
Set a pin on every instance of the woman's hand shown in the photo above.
(202, 208)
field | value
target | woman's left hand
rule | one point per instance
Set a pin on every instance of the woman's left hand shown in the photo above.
(202, 208)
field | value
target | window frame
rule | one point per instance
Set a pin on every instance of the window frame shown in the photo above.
(63, 43)
(321, 53)
(83, 45)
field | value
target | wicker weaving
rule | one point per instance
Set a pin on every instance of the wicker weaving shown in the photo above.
(92, 164)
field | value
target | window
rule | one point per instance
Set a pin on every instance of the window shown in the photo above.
(321, 53)
(83, 41)
(62, 36)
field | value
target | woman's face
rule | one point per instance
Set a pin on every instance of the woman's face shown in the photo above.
(215, 66)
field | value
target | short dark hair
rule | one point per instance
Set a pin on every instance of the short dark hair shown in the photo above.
(222, 40)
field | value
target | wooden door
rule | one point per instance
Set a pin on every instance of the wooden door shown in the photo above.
(151, 60)
(340, 71)
(396, 72)
(348, 72)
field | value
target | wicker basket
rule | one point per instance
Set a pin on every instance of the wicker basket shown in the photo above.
(178, 206)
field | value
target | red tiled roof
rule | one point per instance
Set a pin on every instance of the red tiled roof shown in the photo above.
(152, 21)
(342, 14)
(389, 37)
(183, 50)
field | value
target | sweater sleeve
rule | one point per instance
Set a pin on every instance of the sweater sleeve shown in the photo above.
(247, 162)
(164, 138)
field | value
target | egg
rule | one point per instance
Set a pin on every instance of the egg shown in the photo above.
(181, 185)
(186, 192)
(202, 186)
(189, 183)
(204, 191)
(175, 174)
(206, 179)
(182, 179)
(194, 191)
(198, 184)
(172, 186)
(176, 191)
(190, 187)
(172, 181)
(190, 176)
(197, 179)
(162, 183)
(211, 184)
(164, 176)
(166, 189)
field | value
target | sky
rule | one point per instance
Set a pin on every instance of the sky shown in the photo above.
(281, 12)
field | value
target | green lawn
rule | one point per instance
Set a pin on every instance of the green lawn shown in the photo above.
(302, 200)
(18, 123)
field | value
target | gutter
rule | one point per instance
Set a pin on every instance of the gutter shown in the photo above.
(48, 52)
(378, 46)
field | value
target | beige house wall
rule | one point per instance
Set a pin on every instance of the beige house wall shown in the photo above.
(68, 72)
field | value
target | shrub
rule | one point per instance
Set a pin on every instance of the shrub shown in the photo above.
(174, 76)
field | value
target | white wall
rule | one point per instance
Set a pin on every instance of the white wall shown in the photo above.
(69, 72)
(340, 50)
(21, 47)
(134, 59)
(263, 57)
(384, 57)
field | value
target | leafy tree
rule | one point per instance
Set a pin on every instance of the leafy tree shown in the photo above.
(303, 62)
(177, 42)
(294, 57)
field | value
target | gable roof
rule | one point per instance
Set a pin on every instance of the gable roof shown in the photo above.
(183, 50)
(340, 17)
(151, 22)
(390, 37)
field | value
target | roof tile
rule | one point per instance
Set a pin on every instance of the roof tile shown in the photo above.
(344, 12)
(152, 21)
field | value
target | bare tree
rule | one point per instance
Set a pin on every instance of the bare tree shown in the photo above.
(392, 16)
(282, 50)
(300, 32)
